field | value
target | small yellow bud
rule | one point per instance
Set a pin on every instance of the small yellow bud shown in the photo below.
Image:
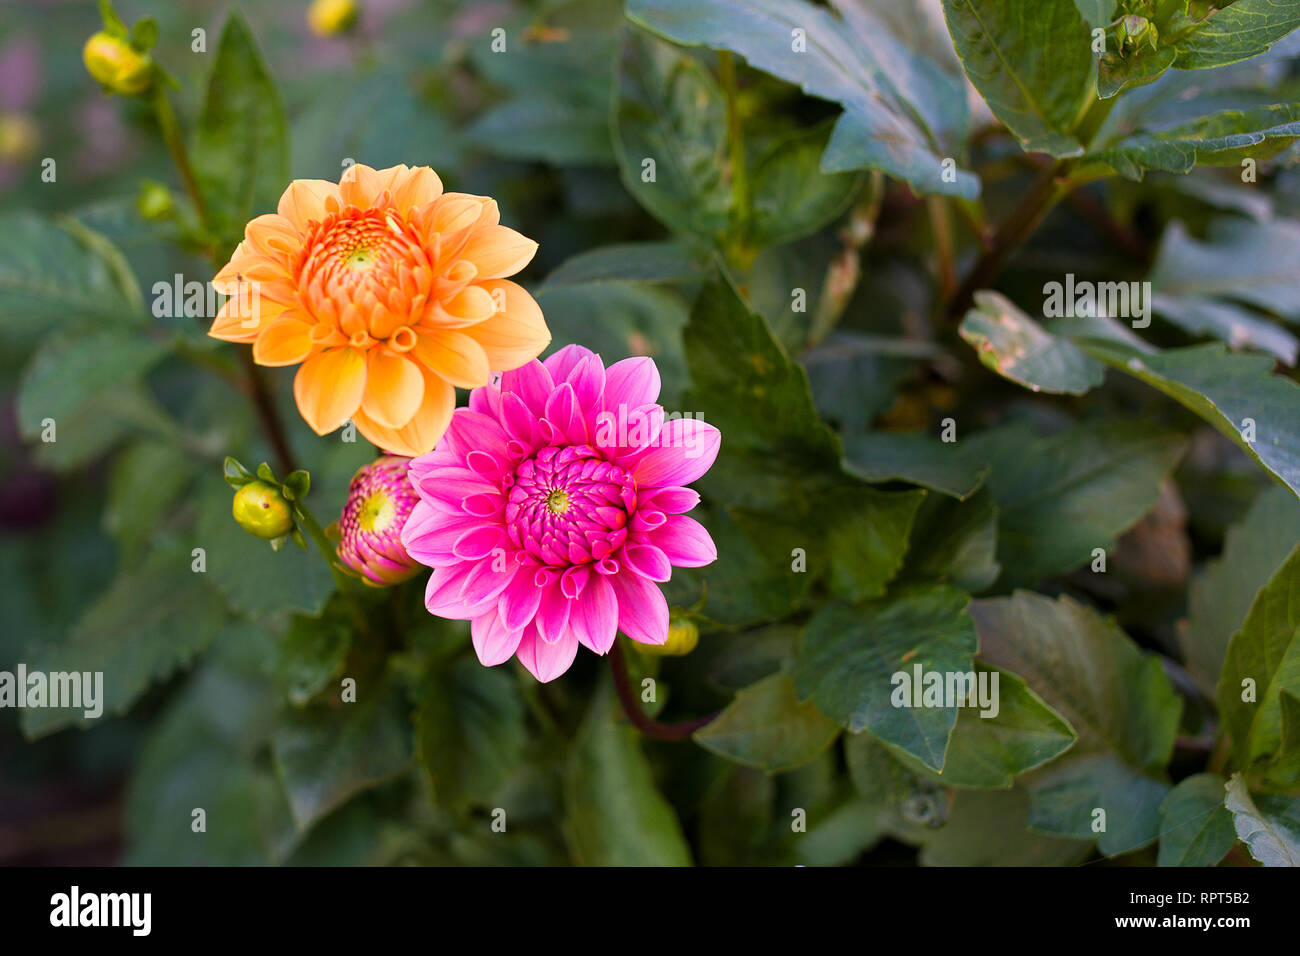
(262, 511)
(18, 137)
(683, 636)
(154, 201)
(329, 17)
(116, 66)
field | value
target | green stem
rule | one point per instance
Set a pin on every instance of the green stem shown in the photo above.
(175, 141)
(342, 583)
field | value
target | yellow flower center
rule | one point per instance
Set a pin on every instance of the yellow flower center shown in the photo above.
(557, 501)
(377, 512)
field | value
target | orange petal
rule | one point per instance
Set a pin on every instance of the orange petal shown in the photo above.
(516, 333)
(394, 389)
(286, 341)
(328, 388)
(360, 186)
(470, 305)
(455, 211)
(417, 187)
(498, 251)
(305, 200)
(242, 317)
(454, 356)
(272, 235)
(425, 428)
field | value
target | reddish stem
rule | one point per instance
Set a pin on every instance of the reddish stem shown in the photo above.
(632, 705)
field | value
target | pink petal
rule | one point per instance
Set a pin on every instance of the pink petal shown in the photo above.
(532, 383)
(492, 642)
(561, 363)
(594, 618)
(647, 561)
(443, 595)
(631, 383)
(552, 619)
(520, 599)
(642, 610)
(671, 500)
(685, 542)
(685, 449)
(546, 661)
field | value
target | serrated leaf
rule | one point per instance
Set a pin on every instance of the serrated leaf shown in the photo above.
(143, 486)
(469, 732)
(1118, 701)
(1032, 62)
(867, 533)
(58, 272)
(69, 371)
(1268, 824)
(1237, 32)
(614, 813)
(241, 145)
(311, 653)
(767, 727)
(1265, 652)
(327, 754)
(850, 655)
(903, 114)
(955, 542)
(1195, 826)
(152, 620)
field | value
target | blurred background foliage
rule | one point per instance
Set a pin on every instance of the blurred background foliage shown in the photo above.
(810, 307)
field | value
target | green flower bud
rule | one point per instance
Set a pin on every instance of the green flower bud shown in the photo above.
(683, 636)
(328, 17)
(154, 201)
(262, 511)
(116, 65)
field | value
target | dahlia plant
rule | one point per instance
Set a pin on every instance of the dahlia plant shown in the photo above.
(629, 432)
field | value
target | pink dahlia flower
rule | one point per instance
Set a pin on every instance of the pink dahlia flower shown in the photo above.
(553, 507)
(380, 500)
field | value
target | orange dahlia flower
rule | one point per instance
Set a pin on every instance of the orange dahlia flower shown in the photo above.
(388, 292)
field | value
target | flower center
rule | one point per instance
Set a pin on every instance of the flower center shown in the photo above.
(377, 512)
(569, 506)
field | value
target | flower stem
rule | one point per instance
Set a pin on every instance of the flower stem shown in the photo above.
(175, 141)
(632, 706)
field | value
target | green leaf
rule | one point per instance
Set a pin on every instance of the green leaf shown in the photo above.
(1135, 67)
(1241, 261)
(312, 653)
(151, 621)
(1220, 139)
(1098, 13)
(102, 421)
(1226, 390)
(1238, 32)
(1238, 326)
(327, 754)
(917, 458)
(1265, 652)
(670, 137)
(851, 654)
(792, 197)
(614, 813)
(903, 113)
(1032, 62)
(253, 578)
(766, 726)
(469, 732)
(1062, 496)
(1118, 701)
(1220, 597)
(619, 320)
(68, 371)
(1019, 733)
(57, 272)
(241, 146)
(145, 481)
(1195, 826)
(660, 260)
(746, 385)
(867, 535)
(1268, 824)
(955, 542)
(1017, 347)
(990, 828)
